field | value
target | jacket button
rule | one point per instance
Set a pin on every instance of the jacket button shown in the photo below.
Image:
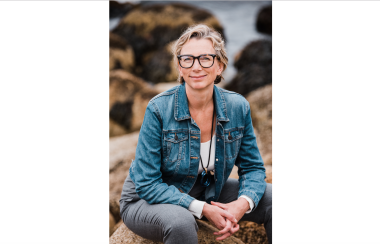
(217, 140)
(216, 159)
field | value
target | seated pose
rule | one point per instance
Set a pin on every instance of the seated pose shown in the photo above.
(191, 137)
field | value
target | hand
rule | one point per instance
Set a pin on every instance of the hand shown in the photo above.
(225, 233)
(218, 217)
(236, 208)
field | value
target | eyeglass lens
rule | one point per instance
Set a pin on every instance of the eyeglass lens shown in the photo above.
(206, 61)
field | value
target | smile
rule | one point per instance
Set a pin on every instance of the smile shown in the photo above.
(198, 77)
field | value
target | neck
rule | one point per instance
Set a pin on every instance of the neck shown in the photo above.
(199, 99)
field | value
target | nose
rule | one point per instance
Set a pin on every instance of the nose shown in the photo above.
(197, 65)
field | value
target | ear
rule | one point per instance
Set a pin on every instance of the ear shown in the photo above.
(220, 68)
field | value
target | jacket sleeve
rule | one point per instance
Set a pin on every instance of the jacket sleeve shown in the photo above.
(145, 169)
(251, 166)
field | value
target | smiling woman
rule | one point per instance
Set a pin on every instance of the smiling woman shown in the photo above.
(191, 137)
(199, 76)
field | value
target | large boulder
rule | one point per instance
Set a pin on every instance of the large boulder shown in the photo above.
(122, 151)
(264, 20)
(121, 54)
(150, 28)
(129, 97)
(260, 102)
(250, 232)
(254, 67)
(205, 236)
(159, 65)
(111, 224)
(118, 10)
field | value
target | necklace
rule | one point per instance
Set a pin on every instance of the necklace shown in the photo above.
(206, 176)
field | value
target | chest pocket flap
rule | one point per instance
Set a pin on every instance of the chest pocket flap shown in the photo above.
(232, 139)
(174, 147)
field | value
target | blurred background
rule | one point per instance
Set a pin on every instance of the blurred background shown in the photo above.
(141, 66)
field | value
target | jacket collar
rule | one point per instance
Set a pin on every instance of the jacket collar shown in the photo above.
(181, 110)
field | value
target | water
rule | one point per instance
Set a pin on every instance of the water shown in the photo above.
(238, 19)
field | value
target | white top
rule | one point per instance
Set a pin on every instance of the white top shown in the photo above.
(205, 148)
(196, 206)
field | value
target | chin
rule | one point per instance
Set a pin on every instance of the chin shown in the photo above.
(198, 85)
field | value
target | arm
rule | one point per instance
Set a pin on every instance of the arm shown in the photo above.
(251, 166)
(145, 170)
(251, 173)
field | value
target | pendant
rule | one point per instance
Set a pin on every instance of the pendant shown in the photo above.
(205, 180)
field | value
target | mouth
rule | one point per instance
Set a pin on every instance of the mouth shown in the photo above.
(198, 76)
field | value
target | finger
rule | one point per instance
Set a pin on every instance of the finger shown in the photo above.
(221, 205)
(234, 229)
(225, 230)
(229, 216)
(223, 236)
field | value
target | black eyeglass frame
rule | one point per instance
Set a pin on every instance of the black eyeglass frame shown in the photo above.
(194, 58)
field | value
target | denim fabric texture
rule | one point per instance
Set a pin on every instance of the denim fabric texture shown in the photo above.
(168, 150)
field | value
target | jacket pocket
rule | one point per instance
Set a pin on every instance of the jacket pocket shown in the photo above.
(232, 140)
(174, 145)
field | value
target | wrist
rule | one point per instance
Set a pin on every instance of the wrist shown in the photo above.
(244, 204)
(205, 208)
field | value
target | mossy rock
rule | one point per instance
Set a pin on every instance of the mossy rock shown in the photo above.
(121, 54)
(150, 28)
(260, 101)
(254, 67)
(118, 10)
(264, 20)
(129, 97)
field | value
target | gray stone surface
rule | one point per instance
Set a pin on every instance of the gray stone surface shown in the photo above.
(205, 236)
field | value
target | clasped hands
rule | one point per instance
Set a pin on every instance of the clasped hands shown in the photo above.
(225, 217)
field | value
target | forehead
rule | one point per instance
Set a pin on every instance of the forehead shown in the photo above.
(196, 47)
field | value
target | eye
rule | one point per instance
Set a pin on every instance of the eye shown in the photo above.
(205, 58)
(186, 58)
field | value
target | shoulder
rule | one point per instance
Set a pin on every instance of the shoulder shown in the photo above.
(165, 95)
(163, 103)
(234, 100)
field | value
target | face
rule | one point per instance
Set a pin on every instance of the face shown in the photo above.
(197, 77)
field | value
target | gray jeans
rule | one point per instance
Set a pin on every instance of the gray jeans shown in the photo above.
(170, 223)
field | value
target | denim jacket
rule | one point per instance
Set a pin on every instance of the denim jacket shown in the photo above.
(168, 150)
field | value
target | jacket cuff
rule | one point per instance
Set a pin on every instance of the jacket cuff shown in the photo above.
(185, 201)
(252, 195)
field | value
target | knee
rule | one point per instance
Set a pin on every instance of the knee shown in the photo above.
(182, 223)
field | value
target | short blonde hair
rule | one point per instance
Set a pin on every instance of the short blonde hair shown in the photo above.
(202, 31)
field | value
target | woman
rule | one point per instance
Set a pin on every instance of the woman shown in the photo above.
(191, 137)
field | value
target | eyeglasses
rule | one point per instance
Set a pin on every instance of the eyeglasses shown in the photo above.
(205, 60)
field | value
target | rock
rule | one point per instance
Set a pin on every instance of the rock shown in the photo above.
(205, 236)
(150, 28)
(120, 9)
(161, 87)
(264, 20)
(254, 67)
(159, 67)
(129, 97)
(121, 54)
(122, 151)
(251, 232)
(112, 224)
(260, 102)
